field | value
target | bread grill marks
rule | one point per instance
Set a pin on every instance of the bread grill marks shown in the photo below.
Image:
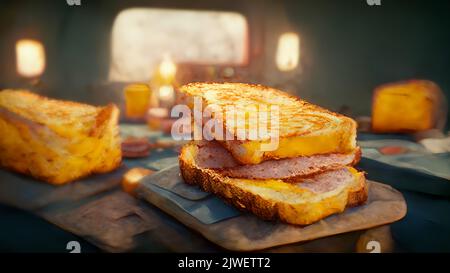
(265, 207)
(300, 122)
(212, 155)
(313, 118)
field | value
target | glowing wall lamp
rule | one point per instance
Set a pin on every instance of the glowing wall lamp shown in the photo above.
(288, 51)
(30, 55)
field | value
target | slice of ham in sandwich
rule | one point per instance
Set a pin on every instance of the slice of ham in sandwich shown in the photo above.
(212, 155)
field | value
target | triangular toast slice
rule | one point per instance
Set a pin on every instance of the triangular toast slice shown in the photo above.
(304, 129)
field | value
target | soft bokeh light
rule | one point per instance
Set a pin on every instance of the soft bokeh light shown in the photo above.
(167, 68)
(288, 51)
(166, 92)
(30, 56)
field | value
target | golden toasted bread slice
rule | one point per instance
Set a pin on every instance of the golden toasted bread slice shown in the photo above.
(300, 203)
(57, 141)
(304, 129)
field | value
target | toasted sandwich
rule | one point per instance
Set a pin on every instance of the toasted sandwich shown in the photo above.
(57, 141)
(304, 129)
(308, 177)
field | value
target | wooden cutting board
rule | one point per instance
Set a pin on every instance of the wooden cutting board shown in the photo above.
(237, 231)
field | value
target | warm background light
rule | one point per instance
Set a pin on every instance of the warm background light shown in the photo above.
(30, 56)
(288, 51)
(163, 82)
(166, 91)
(167, 68)
(166, 95)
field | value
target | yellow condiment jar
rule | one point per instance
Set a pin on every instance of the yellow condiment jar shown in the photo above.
(137, 100)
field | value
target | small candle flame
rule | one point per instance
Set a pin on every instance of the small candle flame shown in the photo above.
(167, 68)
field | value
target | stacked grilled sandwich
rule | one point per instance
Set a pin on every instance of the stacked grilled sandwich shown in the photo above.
(306, 177)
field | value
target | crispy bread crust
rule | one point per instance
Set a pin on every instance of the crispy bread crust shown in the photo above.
(359, 195)
(186, 89)
(298, 214)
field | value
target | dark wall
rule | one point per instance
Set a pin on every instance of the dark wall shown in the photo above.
(348, 47)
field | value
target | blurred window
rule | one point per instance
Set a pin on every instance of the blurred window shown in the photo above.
(141, 37)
